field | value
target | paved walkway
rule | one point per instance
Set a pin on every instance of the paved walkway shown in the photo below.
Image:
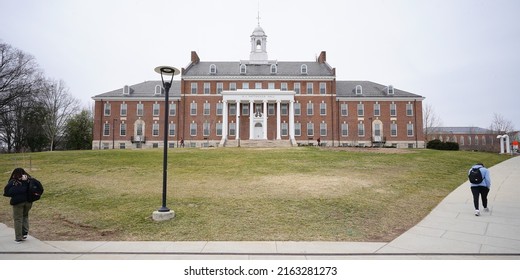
(450, 231)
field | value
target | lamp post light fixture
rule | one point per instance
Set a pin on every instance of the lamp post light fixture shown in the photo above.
(164, 213)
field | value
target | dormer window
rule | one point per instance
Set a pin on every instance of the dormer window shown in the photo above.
(303, 69)
(390, 90)
(242, 68)
(158, 90)
(213, 69)
(126, 90)
(274, 69)
(359, 90)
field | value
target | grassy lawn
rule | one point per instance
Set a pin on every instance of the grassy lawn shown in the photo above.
(239, 194)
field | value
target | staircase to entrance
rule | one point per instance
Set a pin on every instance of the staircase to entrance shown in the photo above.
(258, 143)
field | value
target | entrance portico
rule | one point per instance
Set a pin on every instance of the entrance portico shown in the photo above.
(257, 100)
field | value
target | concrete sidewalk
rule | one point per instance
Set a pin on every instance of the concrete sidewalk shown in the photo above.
(450, 231)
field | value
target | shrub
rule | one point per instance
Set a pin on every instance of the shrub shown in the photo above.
(438, 145)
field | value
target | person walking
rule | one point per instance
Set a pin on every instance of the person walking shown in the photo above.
(18, 189)
(480, 181)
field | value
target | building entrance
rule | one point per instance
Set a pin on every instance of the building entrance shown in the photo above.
(258, 131)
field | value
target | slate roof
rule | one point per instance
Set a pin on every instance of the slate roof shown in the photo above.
(142, 90)
(462, 130)
(347, 89)
(284, 69)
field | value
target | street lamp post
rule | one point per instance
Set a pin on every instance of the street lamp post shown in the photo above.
(164, 213)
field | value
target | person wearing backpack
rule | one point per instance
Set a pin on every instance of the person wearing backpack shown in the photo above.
(480, 181)
(18, 189)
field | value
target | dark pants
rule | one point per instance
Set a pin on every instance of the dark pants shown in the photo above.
(480, 190)
(21, 219)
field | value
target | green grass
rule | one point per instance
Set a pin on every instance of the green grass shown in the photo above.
(239, 194)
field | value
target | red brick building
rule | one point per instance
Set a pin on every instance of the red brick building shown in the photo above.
(229, 103)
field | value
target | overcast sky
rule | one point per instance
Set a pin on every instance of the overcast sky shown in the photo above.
(463, 56)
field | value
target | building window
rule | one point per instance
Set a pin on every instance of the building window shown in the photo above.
(462, 140)
(283, 86)
(270, 109)
(122, 129)
(219, 129)
(207, 88)
(106, 129)
(122, 146)
(232, 86)
(297, 129)
(193, 109)
(359, 90)
(393, 129)
(193, 88)
(220, 108)
(303, 69)
(242, 68)
(232, 129)
(390, 90)
(206, 109)
(193, 129)
(123, 109)
(273, 69)
(377, 109)
(297, 88)
(245, 109)
(233, 109)
(409, 129)
(139, 129)
(323, 129)
(158, 90)
(107, 109)
(126, 90)
(310, 129)
(323, 88)
(361, 129)
(155, 129)
(173, 109)
(309, 88)
(476, 140)
(310, 109)
(156, 109)
(344, 129)
(297, 109)
(377, 129)
(213, 69)
(206, 128)
(258, 85)
(344, 109)
(220, 88)
(409, 110)
(284, 108)
(360, 109)
(245, 85)
(270, 85)
(393, 110)
(285, 129)
(140, 109)
(171, 129)
(323, 109)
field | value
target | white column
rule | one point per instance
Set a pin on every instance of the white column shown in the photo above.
(224, 120)
(291, 120)
(251, 115)
(238, 121)
(278, 120)
(265, 120)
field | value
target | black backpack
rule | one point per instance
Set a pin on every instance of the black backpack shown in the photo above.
(475, 176)
(35, 190)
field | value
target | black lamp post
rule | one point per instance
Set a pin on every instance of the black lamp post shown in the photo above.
(166, 71)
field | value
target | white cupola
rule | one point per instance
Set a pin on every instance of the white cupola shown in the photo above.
(258, 46)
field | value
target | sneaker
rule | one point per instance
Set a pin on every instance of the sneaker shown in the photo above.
(24, 237)
(18, 241)
(477, 213)
(486, 209)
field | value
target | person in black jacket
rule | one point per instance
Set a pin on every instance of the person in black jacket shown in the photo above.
(16, 189)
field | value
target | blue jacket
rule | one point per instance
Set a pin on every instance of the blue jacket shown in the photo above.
(485, 174)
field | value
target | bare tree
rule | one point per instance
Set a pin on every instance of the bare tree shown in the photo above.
(18, 75)
(59, 106)
(430, 120)
(500, 124)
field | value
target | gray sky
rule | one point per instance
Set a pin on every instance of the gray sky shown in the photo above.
(463, 56)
